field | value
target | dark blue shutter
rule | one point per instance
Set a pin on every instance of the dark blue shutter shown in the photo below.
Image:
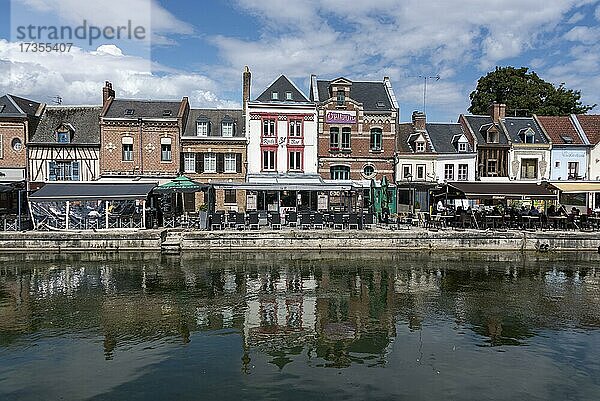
(75, 171)
(51, 171)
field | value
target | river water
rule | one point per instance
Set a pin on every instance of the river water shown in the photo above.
(299, 326)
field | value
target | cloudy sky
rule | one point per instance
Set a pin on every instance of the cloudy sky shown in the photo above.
(198, 48)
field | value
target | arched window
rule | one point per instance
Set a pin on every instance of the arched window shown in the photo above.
(376, 141)
(340, 172)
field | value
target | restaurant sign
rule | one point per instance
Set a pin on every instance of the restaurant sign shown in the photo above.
(340, 117)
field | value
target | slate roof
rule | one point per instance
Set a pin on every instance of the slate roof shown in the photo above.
(590, 123)
(281, 86)
(215, 117)
(560, 127)
(83, 119)
(479, 122)
(515, 126)
(405, 130)
(142, 108)
(14, 106)
(367, 93)
(444, 137)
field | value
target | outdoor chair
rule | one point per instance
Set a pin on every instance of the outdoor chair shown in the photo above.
(353, 221)
(318, 221)
(305, 221)
(136, 220)
(216, 221)
(369, 220)
(240, 221)
(231, 219)
(253, 220)
(338, 221)
(292, 219)
(275, 221)
(571, 222)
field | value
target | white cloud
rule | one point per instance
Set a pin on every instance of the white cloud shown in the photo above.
(583, 34)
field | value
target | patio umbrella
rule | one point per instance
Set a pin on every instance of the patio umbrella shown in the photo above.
(181, 184)
(384, 193)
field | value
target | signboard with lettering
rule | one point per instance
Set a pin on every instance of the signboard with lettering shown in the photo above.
(295, 142)
(322, 202)
(251, 201)
(340, 117)
(269, 141)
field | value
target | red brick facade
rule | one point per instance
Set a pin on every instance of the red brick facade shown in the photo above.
(12, 144)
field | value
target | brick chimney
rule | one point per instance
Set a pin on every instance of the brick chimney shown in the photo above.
(246, 80)
(497, 111)
(107, 92)
(419, 119)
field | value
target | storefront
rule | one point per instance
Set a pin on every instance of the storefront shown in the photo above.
(582, 195)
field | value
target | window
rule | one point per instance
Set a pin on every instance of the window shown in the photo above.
(230, 197)
(227, 129)
(340, 172)
(462, 146)
(202, 128)
(16, 144)
(449, 172)
(493, 137)
(210, 163)
(288, 95)
(346, 137)
(62, 137)
(529, 137)
(334, 138)
(295, 160)
(129, 112)
(296, 128)
(368, 171)
(165, 152)
(341, 97)
(269, 160)
(274, 95)
(463, 172)
(375, 139)
(420, 146)
(189, 162)
(529, 168)
(167, 113)
(557, 164)
(421, 171)
(573, 170)
(63, 171)
(407, 171)
(492, 165)
(230, 163)
(269, 127)
(127, 152)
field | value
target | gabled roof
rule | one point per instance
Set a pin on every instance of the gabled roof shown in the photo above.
(516, 126)
(372, 95)
(480, 125)
(84, 120)
(14, 106)
(214, 117)
(590, 123)
(444, 137)
(405, 130)
(143, 108)
(560, 129)
(281, 86)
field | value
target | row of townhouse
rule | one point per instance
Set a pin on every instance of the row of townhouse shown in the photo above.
(285, 148)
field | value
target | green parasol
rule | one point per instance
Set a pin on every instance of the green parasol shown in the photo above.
(181, 184)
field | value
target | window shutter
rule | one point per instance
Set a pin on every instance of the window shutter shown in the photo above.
(1, 146)
(75, 171)
(220, 162)
(238, 162)
(51, 171)
(181, 162)
(199, 162)
(208, 128)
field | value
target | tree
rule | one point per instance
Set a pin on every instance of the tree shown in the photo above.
(524, 94)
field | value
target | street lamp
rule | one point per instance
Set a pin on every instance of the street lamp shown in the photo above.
(410, 194)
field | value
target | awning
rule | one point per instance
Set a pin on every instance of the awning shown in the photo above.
(91, 191)
(284, 186)
(502, 190)
(576, 186)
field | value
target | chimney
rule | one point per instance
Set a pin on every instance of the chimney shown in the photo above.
(497, 111)
(419, 119)
(107, 92)
(246, 79)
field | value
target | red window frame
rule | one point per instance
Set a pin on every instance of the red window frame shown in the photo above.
(301, 152)
(262, 158)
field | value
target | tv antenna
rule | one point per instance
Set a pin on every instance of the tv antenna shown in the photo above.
(425, 79)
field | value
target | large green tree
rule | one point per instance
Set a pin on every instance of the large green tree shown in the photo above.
(524, 94)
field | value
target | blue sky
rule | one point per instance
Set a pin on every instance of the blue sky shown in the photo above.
(198, 48)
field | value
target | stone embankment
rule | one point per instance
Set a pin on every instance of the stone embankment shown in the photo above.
(174, 241)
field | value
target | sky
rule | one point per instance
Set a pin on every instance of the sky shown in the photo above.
(199, 48)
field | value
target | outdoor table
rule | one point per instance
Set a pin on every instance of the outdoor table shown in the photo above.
(496, 219)
(444, 218)
(530, 219)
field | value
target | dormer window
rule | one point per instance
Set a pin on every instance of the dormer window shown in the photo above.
(167, 113)
(63, 137)
(2, 106)
(567, 139)
(202, 128)
(129, 112)
(380, 104)
(493, 137)
(227, 129)
(274, 95)
(288, 95)
(529, 137)
(341, 97)
(420, 146)
(462, 146)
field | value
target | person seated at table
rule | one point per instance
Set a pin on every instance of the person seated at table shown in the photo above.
(551, 210)
(459, 210)
(533, 211)
(496, 211)
(440, 208)
(562, 211)
(523, 211)
(575, 211)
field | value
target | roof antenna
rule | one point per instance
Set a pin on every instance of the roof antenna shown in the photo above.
(425, 78)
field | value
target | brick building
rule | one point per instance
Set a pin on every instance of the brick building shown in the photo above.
(141, 138)
(357, 123)
(213, 150)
